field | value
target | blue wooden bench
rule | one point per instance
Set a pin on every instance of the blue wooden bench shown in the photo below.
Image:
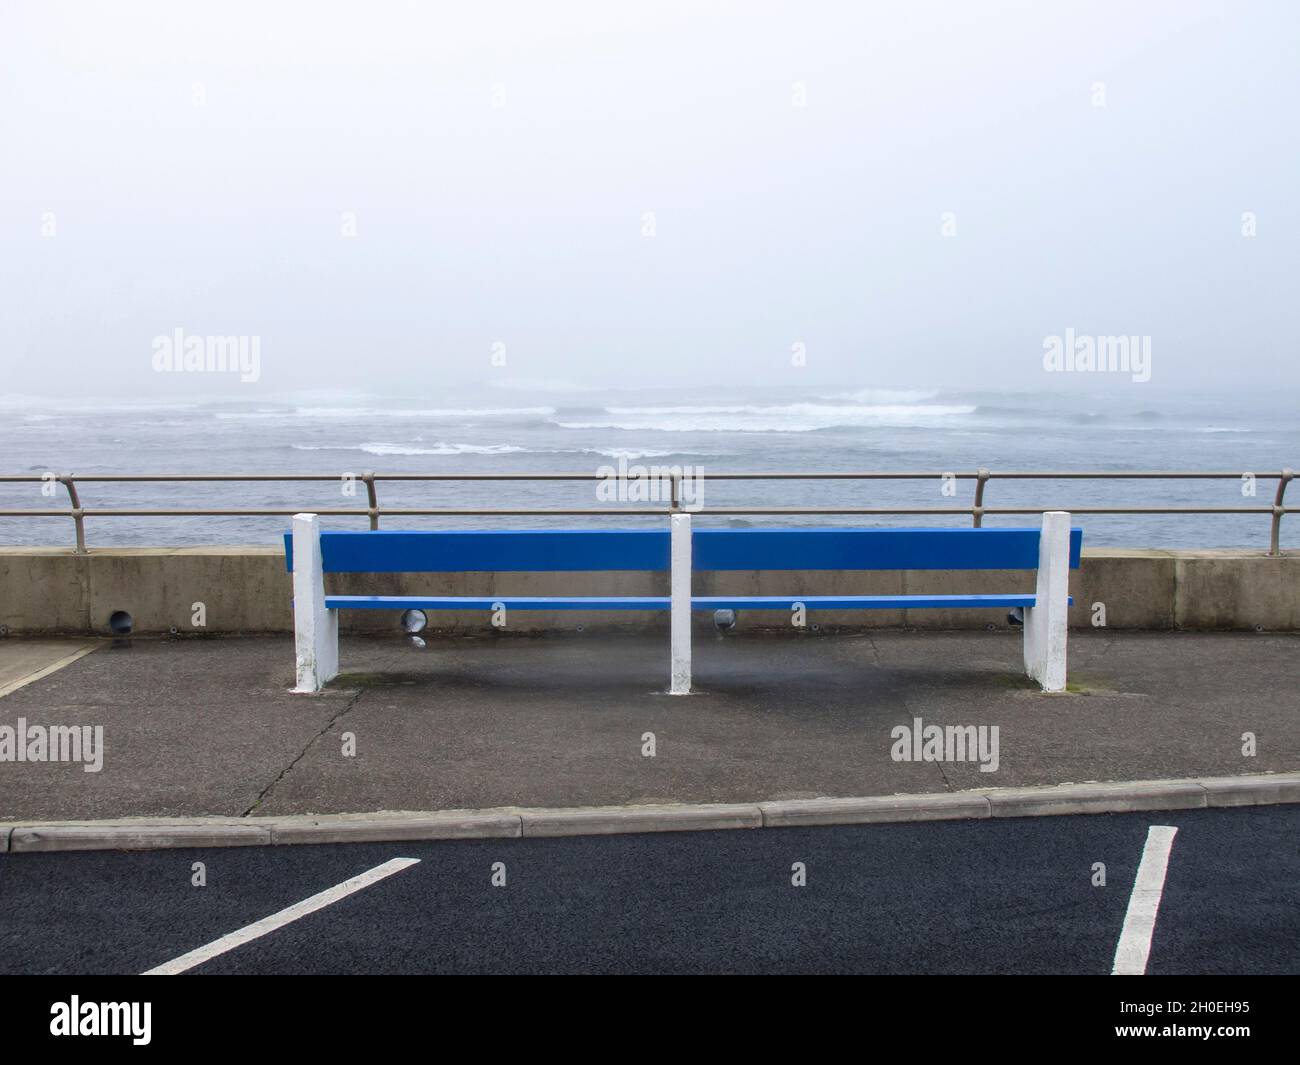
(311, 553)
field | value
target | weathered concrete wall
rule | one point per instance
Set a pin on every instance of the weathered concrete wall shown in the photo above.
(246, 589)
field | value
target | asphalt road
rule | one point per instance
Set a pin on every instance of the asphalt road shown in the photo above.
(1010, 896)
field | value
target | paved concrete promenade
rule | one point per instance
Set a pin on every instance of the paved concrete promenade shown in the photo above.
(208, 727)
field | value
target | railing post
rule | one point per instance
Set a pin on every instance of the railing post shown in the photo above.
(679, 575)
(1047, 621)
(1275, 534)
(977, 511)
(373, 499)
(315, 627)
(78, 514)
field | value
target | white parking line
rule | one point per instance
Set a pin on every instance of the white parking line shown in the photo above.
(1140, 921)
(278, 920)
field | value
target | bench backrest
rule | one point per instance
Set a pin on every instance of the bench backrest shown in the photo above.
(589, 550)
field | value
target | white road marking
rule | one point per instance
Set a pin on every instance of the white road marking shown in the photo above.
(1140, 921)
(278, 920)
(29, 653)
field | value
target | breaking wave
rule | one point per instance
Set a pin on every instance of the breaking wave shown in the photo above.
(384, 412)
(439, 448)
(783, 418)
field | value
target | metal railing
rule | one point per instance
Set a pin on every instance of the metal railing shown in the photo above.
(373, 511)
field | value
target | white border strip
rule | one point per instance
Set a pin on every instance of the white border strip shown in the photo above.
(1140, 921)
(45, 671)
(278, 920)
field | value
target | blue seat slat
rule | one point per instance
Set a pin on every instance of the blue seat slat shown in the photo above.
(583, 550)
(699, 602)
(857, 602)
(871, 549)
(517, 551)
(511, 602)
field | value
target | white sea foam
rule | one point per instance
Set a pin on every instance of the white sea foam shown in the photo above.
(378, 448)
(785, 418)
(629, 453)
(385, 412)
(439, 448)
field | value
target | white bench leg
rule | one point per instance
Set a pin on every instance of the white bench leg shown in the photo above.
(315, 629)
(680, 616)
(1045, 624)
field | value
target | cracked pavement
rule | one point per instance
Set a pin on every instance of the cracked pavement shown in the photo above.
(209, 727)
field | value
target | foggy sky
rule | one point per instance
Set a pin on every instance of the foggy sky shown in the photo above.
(195, 166)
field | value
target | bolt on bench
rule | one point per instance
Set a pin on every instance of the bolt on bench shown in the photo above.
(310, 553)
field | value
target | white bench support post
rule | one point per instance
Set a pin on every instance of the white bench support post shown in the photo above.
(1045, 624)
(680, 616)
(315, 629)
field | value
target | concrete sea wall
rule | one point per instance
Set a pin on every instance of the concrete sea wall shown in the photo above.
(246, 589)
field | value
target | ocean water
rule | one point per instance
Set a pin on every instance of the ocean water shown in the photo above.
(517, 430)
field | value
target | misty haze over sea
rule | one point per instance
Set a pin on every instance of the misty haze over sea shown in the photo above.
(530, 429)
(544, 237)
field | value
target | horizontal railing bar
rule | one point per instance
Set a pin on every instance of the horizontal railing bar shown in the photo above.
(674, 474)
(174, 512)
(849, 474)
(713, 476)
(181, 477)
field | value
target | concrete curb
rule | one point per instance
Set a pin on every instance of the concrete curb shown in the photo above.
(608, 820)
(1098, 798)
(513, 823)
(876, 809)
(376, 828)
(143, 835)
